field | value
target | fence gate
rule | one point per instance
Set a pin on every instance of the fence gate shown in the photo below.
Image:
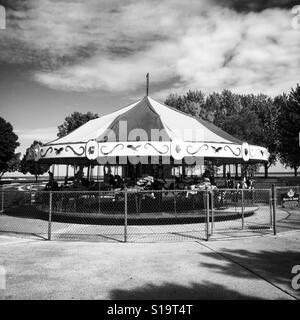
(240, 212)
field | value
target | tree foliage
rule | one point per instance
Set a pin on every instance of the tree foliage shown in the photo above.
(74, 121)
(227, 109)
(193, 103)
(14, 163)
(28, 165)
(8, 144)
(289, 129)
(262, 125)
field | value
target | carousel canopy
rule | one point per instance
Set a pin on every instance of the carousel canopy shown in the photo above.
(149, 128)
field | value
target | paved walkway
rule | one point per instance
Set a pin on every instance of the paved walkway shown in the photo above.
(289, 222)
(256, 268)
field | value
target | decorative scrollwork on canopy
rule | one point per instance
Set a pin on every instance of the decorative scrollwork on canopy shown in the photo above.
(116, 146)
(159, 151)
(194, 152)
(74, 151)
(236, 154)
(43, 155)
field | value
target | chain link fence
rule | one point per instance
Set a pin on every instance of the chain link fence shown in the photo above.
(166, 215)
(236, 212)
(19, 215)
(136, 215)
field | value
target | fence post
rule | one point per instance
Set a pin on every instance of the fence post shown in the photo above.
(2, 200)
(207, 215)
(212, 214)
(270, 203)
(274, 194)
(125, 215)
(30, 194)
(242, 205)
(236, 199)
(50, 215)
(99, 201)
(175, 209)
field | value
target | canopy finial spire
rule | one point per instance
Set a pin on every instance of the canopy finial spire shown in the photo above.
(147, 86)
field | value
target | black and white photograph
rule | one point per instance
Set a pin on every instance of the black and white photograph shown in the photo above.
(149, 153)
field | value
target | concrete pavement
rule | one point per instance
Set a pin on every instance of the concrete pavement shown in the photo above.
(254, 268)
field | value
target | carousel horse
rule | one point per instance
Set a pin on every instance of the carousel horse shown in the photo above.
(142, 184)
(201, 186)
(250, 183)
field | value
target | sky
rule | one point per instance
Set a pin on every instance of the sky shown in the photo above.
(57, 57)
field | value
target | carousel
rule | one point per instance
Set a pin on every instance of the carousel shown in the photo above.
(146, 148)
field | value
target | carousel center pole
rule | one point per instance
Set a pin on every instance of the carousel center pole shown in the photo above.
(147, 84)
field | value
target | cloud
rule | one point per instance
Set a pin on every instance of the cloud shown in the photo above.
(111, 45)
(113, 74)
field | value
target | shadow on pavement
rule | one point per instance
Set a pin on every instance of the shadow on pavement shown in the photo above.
(171, 291)
(272, 266)
(275, 266)
(27, 212)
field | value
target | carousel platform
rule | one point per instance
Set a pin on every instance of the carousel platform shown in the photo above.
(196, 216)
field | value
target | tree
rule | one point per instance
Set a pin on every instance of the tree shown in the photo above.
(175, 101)
(212, 103)
(269, 122)
(227, 111)
(289, 130)
(8, 144)
(264, 133)
(14, 163)
(192, 103)
(74, 121)
(28, 165)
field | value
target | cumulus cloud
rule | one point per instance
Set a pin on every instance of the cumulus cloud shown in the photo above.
(111, 45)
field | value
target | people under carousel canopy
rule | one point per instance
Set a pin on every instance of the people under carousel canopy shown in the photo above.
(80, 180)
(245, 183)
(52, 184)
(146, 182)
(229, 181)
